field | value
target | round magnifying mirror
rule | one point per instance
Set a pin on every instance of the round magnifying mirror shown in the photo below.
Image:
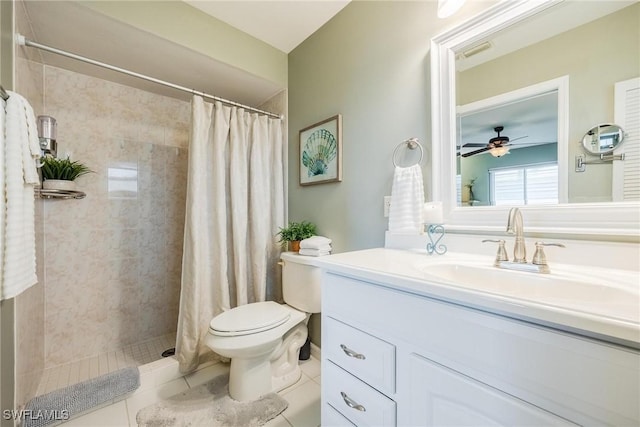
(603, 139)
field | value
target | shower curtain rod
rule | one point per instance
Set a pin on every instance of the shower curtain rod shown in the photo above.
(22, 40)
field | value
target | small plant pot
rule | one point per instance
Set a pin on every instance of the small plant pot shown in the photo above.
(59, 184)
(294, 245)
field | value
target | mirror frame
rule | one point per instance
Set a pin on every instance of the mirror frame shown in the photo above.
(594, 221)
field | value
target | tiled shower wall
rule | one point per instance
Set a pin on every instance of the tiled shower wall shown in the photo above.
(112, 261)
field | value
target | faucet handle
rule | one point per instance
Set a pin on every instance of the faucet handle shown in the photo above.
(539, 258)
(501, 255)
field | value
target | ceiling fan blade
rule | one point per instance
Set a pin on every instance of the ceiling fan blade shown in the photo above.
(471, 153)
(520, 137)
(475, 144)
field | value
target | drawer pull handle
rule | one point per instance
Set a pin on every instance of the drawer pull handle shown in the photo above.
(351, 353)
(352, 403)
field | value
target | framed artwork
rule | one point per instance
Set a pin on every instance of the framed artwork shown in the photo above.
(321, 152)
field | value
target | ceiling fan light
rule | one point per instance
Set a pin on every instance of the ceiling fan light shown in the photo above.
(499, 151)
(447, 8)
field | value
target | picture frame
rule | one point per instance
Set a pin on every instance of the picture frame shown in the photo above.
(320, 152)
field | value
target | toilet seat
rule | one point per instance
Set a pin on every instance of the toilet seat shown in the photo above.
(249, 319)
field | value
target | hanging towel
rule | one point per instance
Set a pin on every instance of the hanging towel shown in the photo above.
(315, 242)
(20, 151)
(407, 200)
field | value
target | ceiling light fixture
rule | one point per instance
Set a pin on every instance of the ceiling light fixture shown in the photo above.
(499, 151)
(447, 8)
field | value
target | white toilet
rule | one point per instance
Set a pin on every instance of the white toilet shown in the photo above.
(263, 339)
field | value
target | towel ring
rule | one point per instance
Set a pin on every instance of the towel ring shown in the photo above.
(412, 144)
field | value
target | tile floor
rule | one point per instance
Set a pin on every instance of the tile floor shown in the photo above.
(132, 355)
(160, 379)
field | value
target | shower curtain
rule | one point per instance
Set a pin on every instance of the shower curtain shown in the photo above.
(235, 207)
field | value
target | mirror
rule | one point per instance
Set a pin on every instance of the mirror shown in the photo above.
(602, 139)
(573, 47)
(463, 72)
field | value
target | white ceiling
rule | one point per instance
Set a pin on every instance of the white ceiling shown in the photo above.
(282, 24)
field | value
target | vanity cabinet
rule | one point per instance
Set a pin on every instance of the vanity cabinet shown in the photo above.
(391, 357)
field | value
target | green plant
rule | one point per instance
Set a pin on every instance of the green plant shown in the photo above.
(63, 169)
(297, 231)
(470, 187)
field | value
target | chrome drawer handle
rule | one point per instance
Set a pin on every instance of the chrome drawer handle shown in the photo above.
(351, 353)
(352, 403)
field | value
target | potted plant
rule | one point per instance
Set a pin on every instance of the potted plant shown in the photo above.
(295, 232)
(471, 198)
(59, 174)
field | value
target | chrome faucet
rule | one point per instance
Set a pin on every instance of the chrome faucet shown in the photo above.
(539, 261)
(515, 226)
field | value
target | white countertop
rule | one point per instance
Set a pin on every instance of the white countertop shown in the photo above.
(608, 308)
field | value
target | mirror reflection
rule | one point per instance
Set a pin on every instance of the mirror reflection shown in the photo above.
(603, 139)
(515, 162)
(595, 44)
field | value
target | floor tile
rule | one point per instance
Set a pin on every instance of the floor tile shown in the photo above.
(278, 421)
(310, 367)
(304, 405)
(149, 397)
(303, 379)
(161, 379)
(114, 415)
(206, 374)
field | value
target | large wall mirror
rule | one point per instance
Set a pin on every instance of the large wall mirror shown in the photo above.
(582, 48)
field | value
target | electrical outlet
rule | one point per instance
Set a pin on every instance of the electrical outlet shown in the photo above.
(387, 206)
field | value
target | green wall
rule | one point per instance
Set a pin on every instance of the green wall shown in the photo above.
(370, 63)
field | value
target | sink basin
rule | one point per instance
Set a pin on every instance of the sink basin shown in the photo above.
(604, 296)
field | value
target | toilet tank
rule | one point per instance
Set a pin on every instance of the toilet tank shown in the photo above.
(301, 282)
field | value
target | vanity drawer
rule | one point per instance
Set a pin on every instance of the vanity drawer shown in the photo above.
(332, 418)
(367, 357)
(361, 404)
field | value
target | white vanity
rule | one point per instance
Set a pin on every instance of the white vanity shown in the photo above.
(404, 344)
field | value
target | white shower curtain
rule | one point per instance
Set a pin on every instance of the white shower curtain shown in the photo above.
(235, 207)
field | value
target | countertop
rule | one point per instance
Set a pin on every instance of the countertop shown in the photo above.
(607, 309)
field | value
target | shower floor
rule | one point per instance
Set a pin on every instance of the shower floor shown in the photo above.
(132, 355)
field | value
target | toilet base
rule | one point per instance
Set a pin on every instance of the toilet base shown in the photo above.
(251, 378)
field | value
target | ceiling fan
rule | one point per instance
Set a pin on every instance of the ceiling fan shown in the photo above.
(497, 146)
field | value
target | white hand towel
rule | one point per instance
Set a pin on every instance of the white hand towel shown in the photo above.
(315, 242)
(313, 252)
(407, 200)
(19, 142)
(317, 248)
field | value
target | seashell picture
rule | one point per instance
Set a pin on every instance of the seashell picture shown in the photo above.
(321, 152)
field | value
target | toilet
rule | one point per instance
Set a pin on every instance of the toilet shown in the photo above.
(263, 339)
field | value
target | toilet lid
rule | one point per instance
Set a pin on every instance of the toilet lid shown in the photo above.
(249, 319)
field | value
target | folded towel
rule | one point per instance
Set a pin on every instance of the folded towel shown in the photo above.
(20, 149)
(313, 252)
(407, 200)
(318, 248)
(316, 242)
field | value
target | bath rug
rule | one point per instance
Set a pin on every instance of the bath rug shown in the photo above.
(76, 399)
(210, 405)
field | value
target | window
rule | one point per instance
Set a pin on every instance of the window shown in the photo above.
(524, 185)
